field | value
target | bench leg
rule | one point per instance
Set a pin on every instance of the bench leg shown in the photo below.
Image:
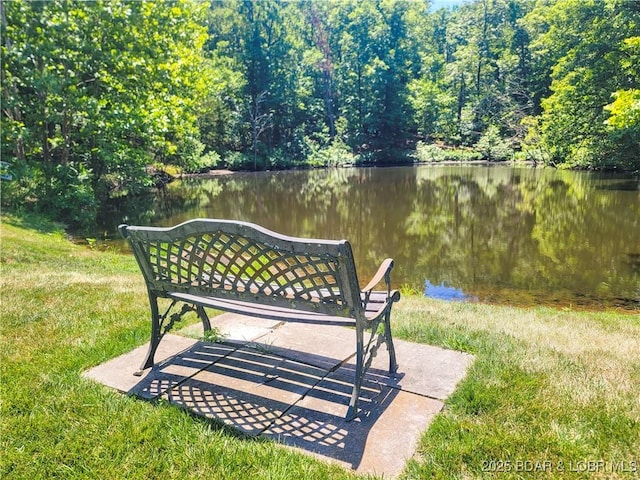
(361, 367)
(206, 323)
(352, 412)
(156, 335)
(393, 364)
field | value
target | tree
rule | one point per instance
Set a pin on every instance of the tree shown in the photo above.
(623, 123)
(374, 58)
(86, 104)
(324, 64)
(588, 38)
(268, 53)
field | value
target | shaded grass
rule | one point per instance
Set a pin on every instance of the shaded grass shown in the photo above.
(546, 385)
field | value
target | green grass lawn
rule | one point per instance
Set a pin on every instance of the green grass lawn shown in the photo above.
(551, 393)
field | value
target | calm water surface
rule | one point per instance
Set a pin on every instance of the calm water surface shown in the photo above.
(498, 234)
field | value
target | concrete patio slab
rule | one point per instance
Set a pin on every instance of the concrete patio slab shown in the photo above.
(119, 372)
(234, 328)
(171, 372)
(379, 441)
(423, 369)
(324, 346)
(247, 390)
(292, 383)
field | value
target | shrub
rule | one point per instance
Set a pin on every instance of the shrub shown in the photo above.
(240, 161)
(192, 158)
(331, 155)
(69, 197)
(429, 153)
(493, 147)
(462, 155)
(436, 153)
(280, 159)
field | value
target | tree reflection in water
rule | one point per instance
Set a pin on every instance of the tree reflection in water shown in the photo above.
(500, 234)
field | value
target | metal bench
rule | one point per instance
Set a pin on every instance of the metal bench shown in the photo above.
(244, 268)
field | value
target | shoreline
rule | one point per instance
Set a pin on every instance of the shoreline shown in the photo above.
(480, 163)
(213, 173)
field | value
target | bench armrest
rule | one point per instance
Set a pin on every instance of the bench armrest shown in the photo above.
(383, 273)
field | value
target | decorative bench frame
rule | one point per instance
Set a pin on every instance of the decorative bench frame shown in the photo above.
(243, 268)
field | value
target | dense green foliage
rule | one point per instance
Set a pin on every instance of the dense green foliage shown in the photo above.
(91, 93)
(94, 92)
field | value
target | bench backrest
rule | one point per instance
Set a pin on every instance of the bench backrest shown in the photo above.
(243, 261)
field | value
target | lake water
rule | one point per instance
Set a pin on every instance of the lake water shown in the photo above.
(497, 234)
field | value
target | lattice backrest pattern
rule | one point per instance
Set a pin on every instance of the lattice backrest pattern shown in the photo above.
(235, 264)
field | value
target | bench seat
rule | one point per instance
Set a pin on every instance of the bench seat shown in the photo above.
(252, 309)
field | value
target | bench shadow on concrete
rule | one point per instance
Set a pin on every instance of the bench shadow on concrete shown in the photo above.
(268, 380)
(267, 393)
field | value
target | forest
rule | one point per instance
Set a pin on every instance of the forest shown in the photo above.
(98, 97)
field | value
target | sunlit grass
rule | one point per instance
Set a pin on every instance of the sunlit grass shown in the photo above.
(548, 388)
(546, 385)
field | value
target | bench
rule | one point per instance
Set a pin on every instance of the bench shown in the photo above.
(243, 268)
